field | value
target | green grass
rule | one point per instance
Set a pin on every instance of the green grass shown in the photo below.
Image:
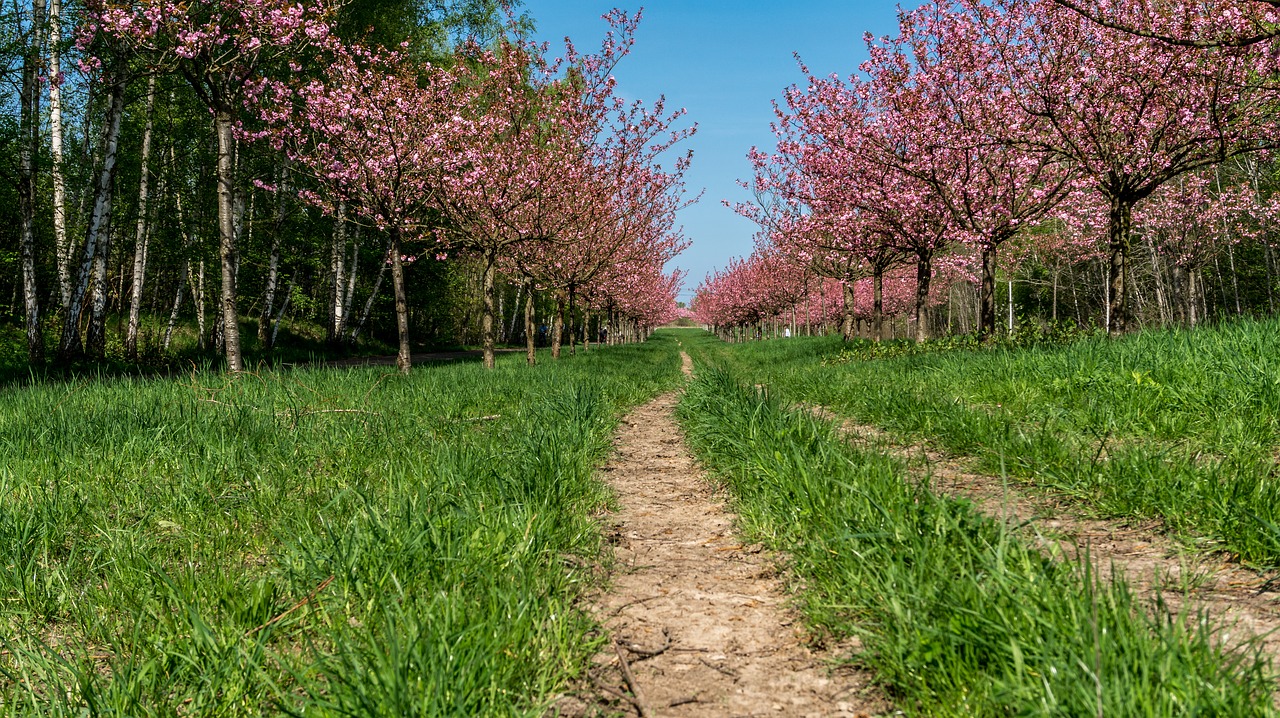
(956, 616)
(1178, 425)
(156, 533)
(299, 341)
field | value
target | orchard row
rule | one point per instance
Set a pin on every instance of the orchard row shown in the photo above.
(1028, 139)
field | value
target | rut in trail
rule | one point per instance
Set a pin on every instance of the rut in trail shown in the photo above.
(712, 610)
(1244, 603)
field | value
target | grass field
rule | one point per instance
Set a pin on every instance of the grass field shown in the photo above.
(1175, 425)
(957, 617)
(329, 542)
(309, 542)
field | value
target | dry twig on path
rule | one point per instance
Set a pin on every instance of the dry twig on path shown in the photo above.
(641, 706)
(644, 653)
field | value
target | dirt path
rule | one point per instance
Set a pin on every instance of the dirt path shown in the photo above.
(1244, 602)
(702, 621)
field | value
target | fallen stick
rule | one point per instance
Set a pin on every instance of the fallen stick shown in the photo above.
(636, 602)
(309, 412)
(616, 693)
(294, 607)
(650, 652)
(641, 706)
(721, 669)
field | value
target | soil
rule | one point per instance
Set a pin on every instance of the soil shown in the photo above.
(1244, 603)
(700, 621)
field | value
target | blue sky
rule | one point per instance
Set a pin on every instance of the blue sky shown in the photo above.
(725, 61)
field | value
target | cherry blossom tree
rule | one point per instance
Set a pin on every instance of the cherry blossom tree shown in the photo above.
(1219, 23)
(631, 223)
(860, 210)
(948, 123)
(373, 134)
(534, 142)
(1129, 113)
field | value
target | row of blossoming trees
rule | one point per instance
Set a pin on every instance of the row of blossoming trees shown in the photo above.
(1004, 137)
(529, 169)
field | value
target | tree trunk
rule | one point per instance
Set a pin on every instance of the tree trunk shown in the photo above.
(486, 322)
(62, 243)
(572, 325)
(284, 307)
(877, 303)
(173, 313)
(403, 359)
(557, 326)
(198, 295)
(350, 292)
(337, 274)
(373, 294)
(515, 314)
(924, 273)
(1162, 304)
(1271, 278)
(1222, 285)
(1178, 298)
(1120, 229)
(529, 332)
(1075, 297)
(846, 326)
(99, 221)
(187, 242)
(500, 316)
(227, 232)
(1235, 277)
(1010, 305)
(1057, 272)
(140, 237)
(987, 294)
(96, 335)
(29, 148)
(273, 262)
(1192, 297)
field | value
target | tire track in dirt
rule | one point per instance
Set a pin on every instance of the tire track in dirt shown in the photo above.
(700, 620)
(1242, 602)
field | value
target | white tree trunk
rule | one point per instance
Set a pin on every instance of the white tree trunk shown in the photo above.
(337, 273)
(197, 292)
(99, 221)
(61, 243)
(140, 237)
(373, 294)
(284, 307)
(273, 263)
(228, 232)
(177, 305)
(29, 146)
(350, 292)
